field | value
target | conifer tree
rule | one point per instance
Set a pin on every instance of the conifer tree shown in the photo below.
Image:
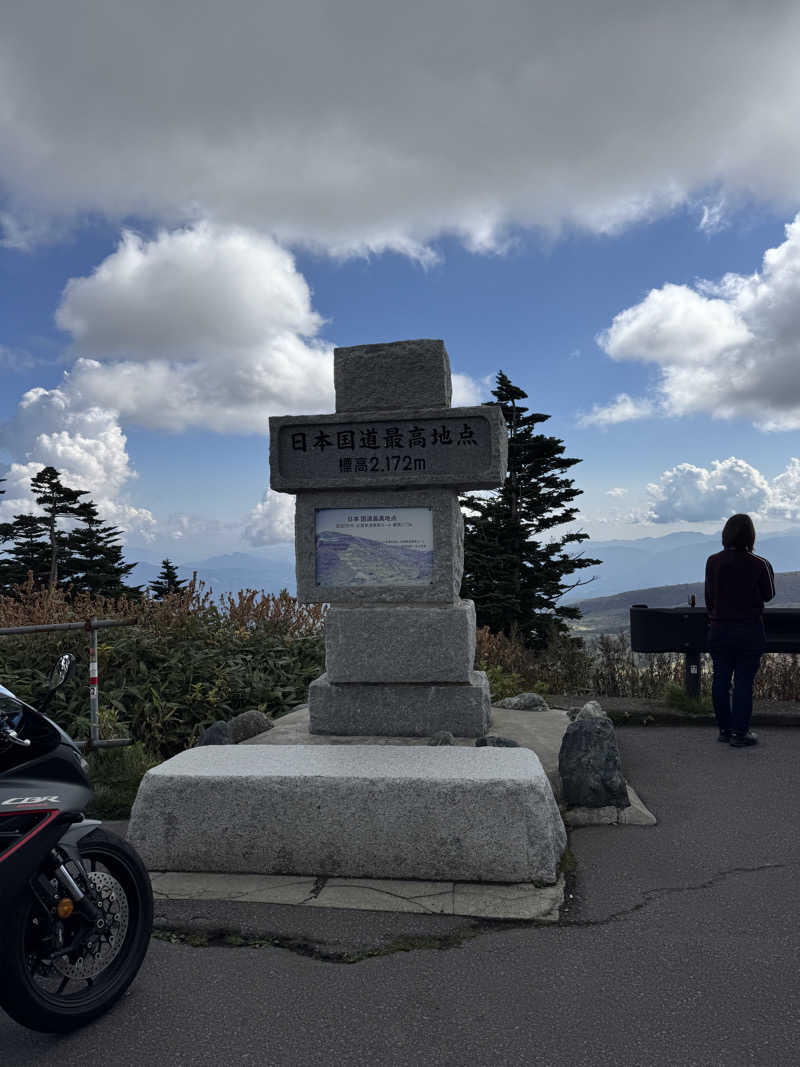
(29, 551)
(5, 535)
(57, 500)
(167, 581)
(95, 564)
(515, 578)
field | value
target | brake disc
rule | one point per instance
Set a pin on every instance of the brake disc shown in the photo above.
(101, 946)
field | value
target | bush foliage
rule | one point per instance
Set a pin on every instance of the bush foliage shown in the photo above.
(188, 662)
(606, 666)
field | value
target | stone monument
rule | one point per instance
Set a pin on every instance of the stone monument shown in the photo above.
(379, 536)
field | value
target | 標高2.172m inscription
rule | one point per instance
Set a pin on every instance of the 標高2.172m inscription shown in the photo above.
(444, 447)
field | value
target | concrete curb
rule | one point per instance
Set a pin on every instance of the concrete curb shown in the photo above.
(638, 711)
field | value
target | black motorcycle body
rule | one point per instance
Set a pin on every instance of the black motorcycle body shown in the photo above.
(77, 907)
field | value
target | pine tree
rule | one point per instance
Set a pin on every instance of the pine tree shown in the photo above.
(515, 578)
(5, 535)
(56, 500)
(95, 564)
(168, 581)
(30, 551)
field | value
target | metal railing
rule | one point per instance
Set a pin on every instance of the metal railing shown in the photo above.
(91, 626)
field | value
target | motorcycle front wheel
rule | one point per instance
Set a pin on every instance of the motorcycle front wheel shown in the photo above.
(58, 974)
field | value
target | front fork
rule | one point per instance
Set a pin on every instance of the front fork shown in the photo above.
(49, 898)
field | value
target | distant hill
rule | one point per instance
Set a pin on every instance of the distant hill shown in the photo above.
(225, 574)
(610, 614)
(676, 558)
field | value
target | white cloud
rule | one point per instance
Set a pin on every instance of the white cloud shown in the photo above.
(623, 409)
(698, 494)
(728, 348)
(88, 449)
(467, 392)
(271, 521)
(687, 493)
(205, 327)
(617, 492)
(365, 126)
(15, 359)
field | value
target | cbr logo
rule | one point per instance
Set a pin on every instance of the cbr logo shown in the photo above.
(31, 800)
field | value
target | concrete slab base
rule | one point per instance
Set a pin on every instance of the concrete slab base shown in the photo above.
(479, 900)
(364, 811)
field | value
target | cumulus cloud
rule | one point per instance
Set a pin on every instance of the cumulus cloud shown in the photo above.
(88, 449)
(686, 493)
(354, 125)
(271, 521)
(728, 348)
(618, 492)
(205, 327)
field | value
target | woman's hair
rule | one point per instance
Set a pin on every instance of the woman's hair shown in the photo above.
(739, 532)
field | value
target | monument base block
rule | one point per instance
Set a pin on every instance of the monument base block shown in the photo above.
(354, 811)
(401, 710)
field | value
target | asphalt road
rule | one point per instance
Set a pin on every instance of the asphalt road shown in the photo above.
(679, 946)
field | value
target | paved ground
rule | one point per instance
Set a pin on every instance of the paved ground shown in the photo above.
(678, 946)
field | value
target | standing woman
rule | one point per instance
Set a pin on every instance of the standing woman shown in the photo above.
(738, 583)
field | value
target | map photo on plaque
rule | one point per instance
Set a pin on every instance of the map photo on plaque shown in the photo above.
(374, 546)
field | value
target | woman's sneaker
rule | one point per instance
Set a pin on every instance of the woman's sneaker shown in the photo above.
(739, 740)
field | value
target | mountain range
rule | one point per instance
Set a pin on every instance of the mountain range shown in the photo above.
(223, 574)
(676, 558)
(638, 569)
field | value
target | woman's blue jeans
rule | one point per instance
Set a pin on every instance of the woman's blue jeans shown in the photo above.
(736, 649)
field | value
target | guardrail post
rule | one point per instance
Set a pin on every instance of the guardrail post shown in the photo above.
(691, 675)
(94, 701)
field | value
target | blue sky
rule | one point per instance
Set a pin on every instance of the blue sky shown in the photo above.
(183, 245)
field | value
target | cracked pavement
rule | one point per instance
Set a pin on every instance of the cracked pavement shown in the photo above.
(677, 946)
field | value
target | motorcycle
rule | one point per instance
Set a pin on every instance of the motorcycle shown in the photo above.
(76, 906)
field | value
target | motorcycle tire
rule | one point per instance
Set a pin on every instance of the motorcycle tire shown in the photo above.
(34, 990)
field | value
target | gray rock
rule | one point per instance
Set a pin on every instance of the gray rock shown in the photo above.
(249, 724)
(442, 737)
(590, 710)
(524, 702)
(218, 733)
(590, 765)
(493, 741)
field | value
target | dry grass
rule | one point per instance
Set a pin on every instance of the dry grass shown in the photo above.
(606, 666)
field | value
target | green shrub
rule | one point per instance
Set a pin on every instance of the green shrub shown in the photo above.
(501, 683)
(187, 663)
(115, 774)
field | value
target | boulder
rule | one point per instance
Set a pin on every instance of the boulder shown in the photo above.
(493, 741)
(590, 710)
(442, 737)
(590, 765)
(218, 733)
(249, 724)
(524, 702)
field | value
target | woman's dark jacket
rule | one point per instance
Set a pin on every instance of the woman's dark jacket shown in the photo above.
(738, 583)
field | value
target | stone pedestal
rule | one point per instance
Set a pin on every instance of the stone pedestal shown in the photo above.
(423, 644)
(369, 811)
(410, 710)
